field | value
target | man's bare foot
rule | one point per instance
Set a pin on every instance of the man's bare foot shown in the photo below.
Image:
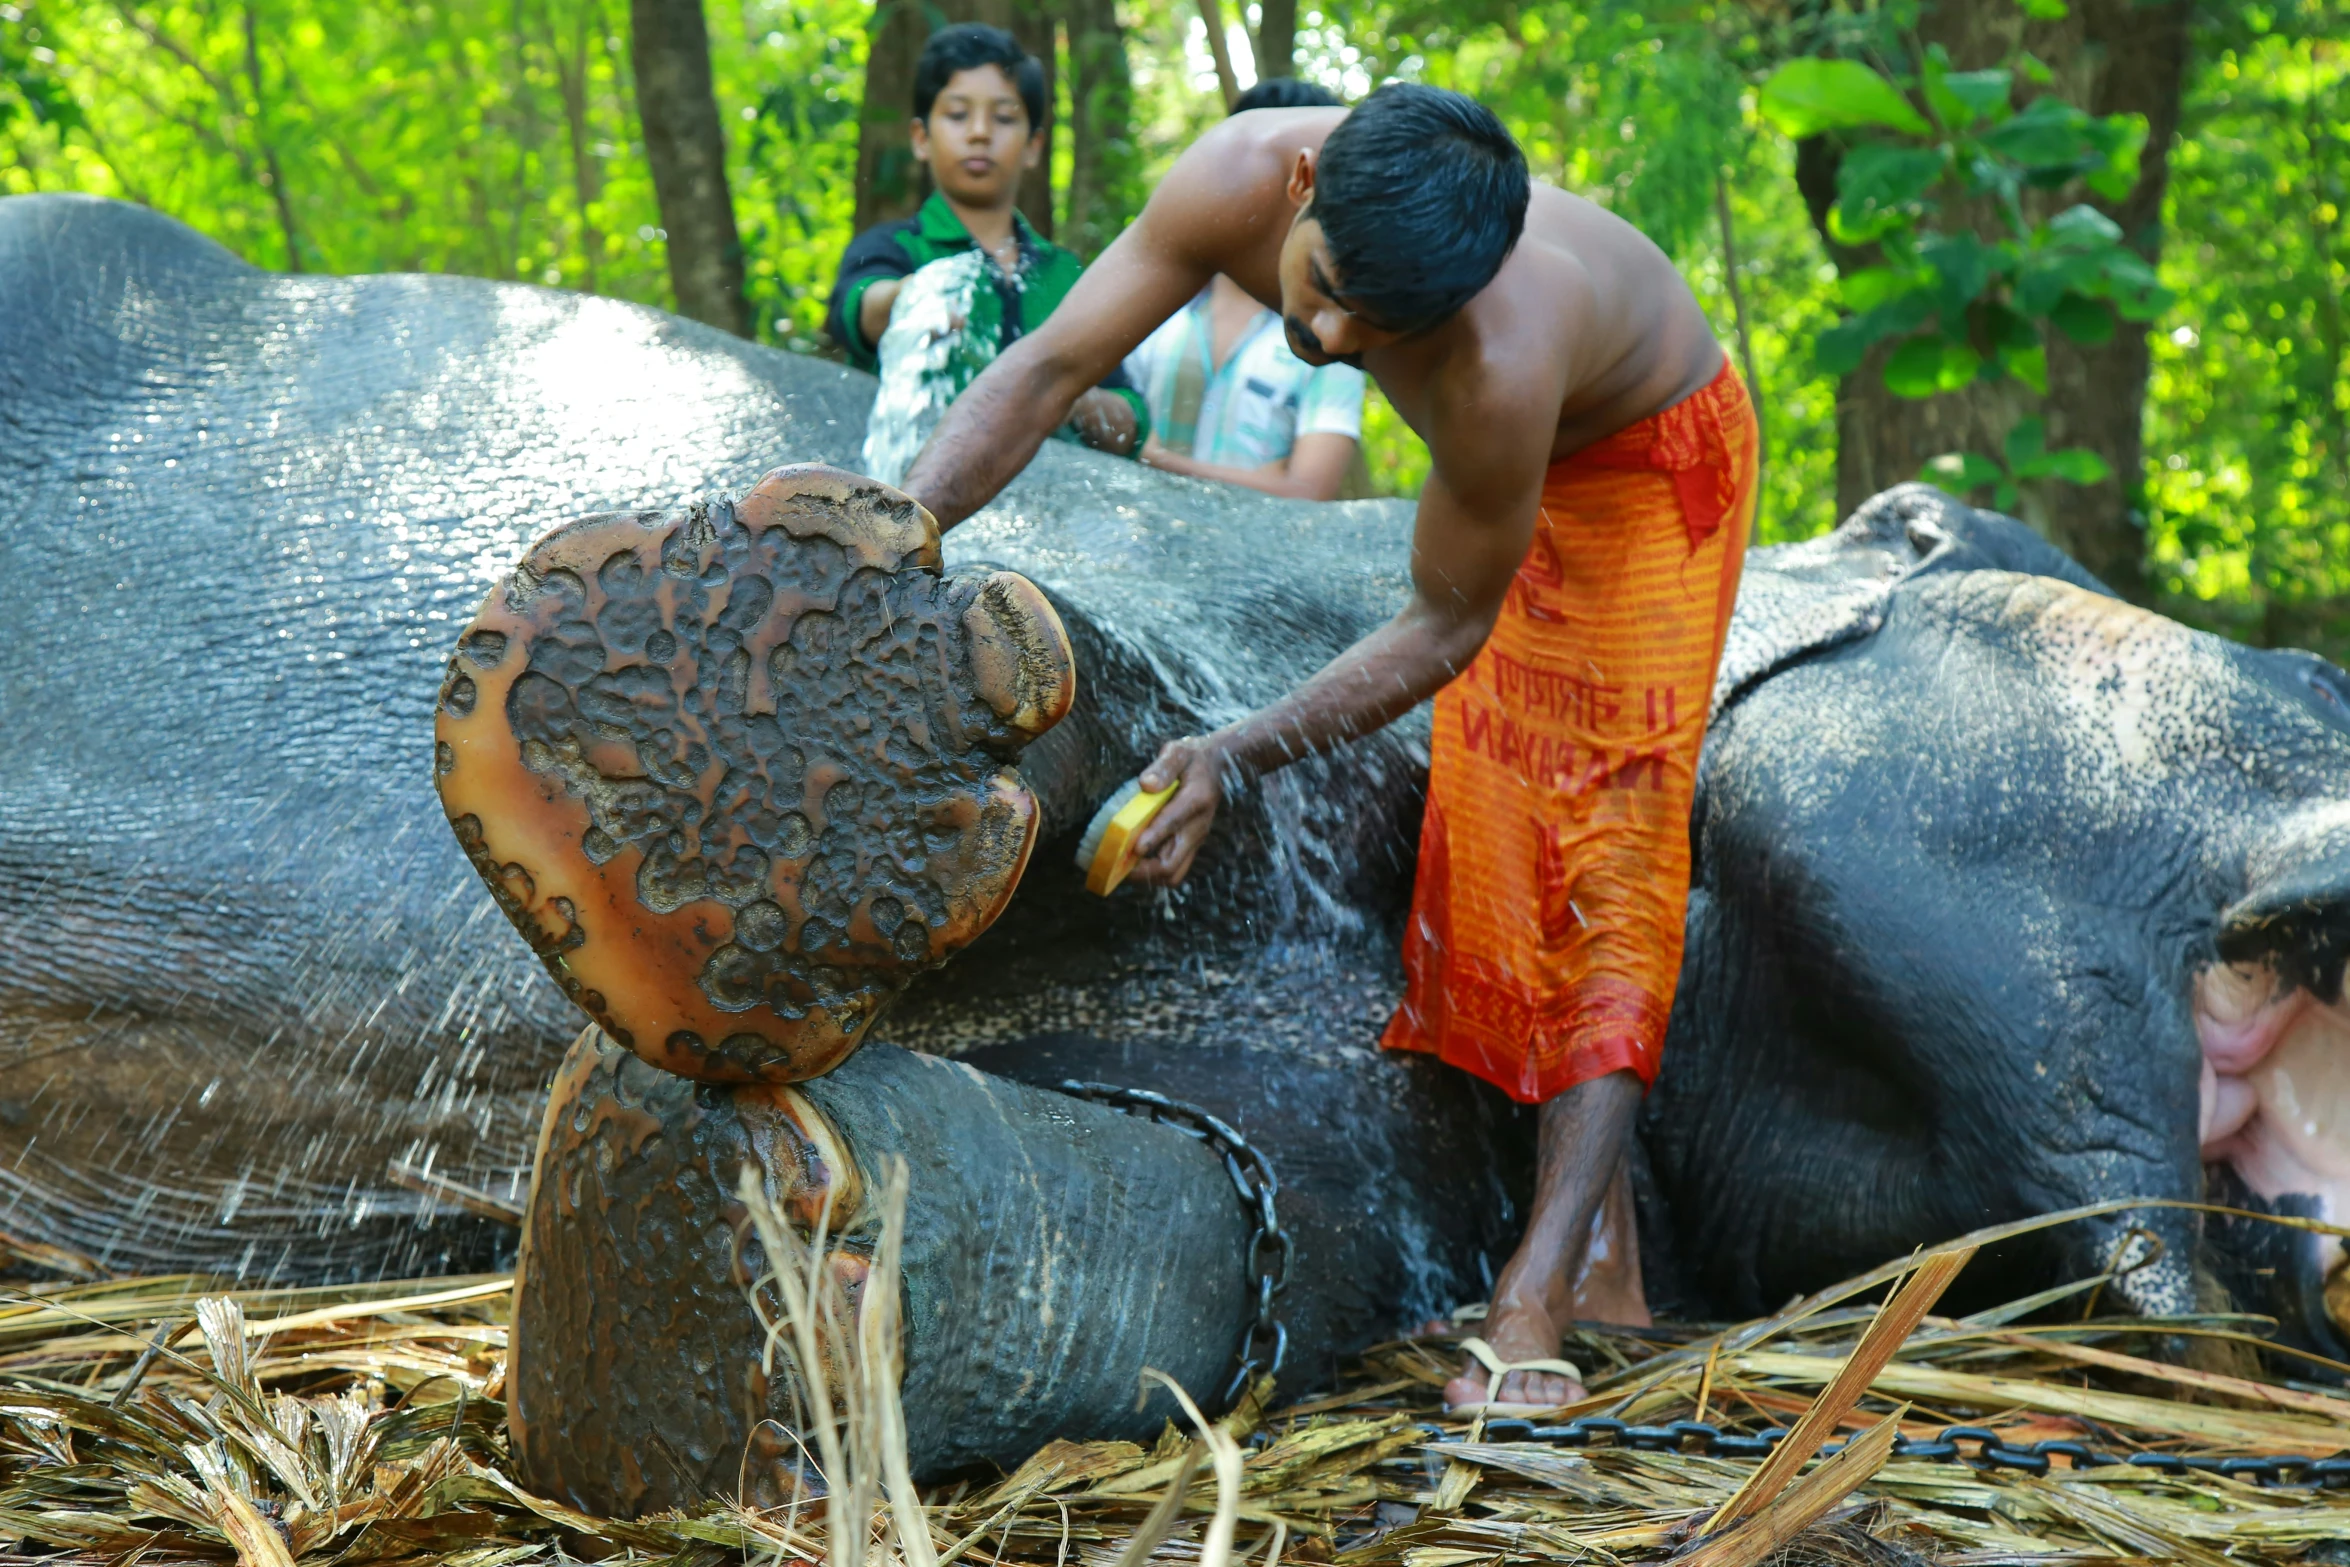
(1581, 1141)
(1513, 1341)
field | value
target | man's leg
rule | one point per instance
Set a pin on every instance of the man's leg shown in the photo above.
(1582, 1135)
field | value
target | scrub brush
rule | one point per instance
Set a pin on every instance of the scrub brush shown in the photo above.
(1106, 853)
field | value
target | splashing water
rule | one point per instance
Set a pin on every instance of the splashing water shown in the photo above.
(926, 360)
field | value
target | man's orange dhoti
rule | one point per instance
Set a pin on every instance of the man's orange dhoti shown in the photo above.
(1545, 934)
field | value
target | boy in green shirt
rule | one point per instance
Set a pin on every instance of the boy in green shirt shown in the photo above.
(979, 124)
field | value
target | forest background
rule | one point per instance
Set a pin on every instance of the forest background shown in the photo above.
(2084, 259)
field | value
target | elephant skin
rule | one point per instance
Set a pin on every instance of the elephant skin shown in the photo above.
(2007, 895)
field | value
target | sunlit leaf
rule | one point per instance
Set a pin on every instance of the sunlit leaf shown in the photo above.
(1915, 370)
(2028, 365)
(1960, 365)
(2123, 141)
(2077, 464)
(1806, 96)
(2081, 227)
(1870, 287)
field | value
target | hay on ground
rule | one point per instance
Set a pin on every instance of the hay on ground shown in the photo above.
(158, 1421)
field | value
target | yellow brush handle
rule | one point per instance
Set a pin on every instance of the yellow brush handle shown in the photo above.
(1114, 860)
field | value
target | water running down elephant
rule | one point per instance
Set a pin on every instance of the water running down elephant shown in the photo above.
(1971, 839)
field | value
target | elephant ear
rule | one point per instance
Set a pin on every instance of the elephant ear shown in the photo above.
(1795, 600)
(2295, 912)
(740, 773)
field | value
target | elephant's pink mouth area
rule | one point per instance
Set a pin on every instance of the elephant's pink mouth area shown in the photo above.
(2276, 1089)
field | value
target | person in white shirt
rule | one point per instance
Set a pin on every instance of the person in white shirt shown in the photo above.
(1228, 400)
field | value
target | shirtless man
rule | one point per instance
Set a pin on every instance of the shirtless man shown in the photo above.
(1574, 560)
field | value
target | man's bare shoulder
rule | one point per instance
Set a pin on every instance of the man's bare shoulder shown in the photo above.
(1236, 176)
(1638, 339)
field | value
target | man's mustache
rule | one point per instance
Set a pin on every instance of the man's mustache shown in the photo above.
(1302, 336)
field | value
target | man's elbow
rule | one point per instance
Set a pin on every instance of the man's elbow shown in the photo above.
(1044, 370)
(1458, 629)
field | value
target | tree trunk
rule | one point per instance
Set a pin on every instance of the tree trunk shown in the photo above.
(669, 51)
(1211, 16)
(890, 182)
(2109, 56)
(1036, 23)
(1276, 38)
(1101, 128)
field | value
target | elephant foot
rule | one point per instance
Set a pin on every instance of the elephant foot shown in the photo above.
(636, 1381)
(740, 773)
(1052, 1250)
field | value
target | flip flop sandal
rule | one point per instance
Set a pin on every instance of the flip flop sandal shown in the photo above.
(1496, 1369)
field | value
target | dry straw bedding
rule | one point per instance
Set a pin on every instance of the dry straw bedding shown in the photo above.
(365, 1425)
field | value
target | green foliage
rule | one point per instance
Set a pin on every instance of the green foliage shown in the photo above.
(1958, 307)
(2248, 429)
(492, 137)
(793, 82)
(499, 137)
(332, 135)
(28, 78)
(1105, 188)
(1806, 97)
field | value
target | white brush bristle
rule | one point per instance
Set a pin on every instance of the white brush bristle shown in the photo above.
(1091, 844)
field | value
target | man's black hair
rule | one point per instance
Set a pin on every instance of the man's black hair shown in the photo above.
(966, 47)
(1285, 92)
(1420, 193)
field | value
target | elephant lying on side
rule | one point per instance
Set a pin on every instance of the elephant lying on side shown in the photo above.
(1973, 842)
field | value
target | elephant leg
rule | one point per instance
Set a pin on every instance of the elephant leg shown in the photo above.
(1053, 1249)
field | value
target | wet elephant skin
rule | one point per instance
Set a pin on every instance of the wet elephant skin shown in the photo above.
(249, 514)
(251, 963)
(246, 514)
(1955, 879)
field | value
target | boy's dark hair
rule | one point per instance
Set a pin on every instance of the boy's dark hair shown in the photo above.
(1285, 92)
(1421, 193)
(966, 47)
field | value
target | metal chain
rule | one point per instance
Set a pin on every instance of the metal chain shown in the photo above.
(1264, 1345)
(2286, 1469)
(1264, 1342)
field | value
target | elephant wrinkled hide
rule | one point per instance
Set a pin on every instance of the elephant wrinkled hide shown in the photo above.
(2008, 895)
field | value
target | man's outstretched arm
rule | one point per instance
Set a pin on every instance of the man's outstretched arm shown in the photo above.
(1475, 521)
(1148, 273)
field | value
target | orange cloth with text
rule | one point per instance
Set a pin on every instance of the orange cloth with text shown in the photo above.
(1545, 933)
